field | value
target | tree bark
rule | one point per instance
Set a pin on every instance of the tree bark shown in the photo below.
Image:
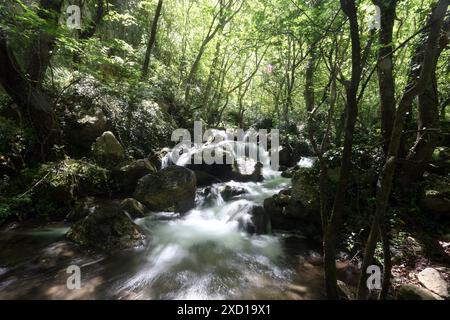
(152, 39)
(386, 81)
(427, 140)
(34, 106)
(329, 242)
(42, 48)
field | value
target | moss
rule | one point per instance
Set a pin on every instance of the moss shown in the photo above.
(53, 187)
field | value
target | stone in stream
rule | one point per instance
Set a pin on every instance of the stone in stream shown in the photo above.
(133, 207)
(258, 223)
(287, 213)
(106, 228)
(229, 192)
(432, 280)
(171, 189)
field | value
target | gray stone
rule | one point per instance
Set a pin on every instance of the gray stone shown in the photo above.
(171, 189)
(433, 280)
(108, 151)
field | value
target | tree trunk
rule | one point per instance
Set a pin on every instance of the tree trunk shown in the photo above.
(386, 81)
(329, 242)
(34, 106)
(42, 48)
(428, 123)
(152, 39)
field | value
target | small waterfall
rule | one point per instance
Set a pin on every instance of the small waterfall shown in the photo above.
(207, 253)
(245, 152)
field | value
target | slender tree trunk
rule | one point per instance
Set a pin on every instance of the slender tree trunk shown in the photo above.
(152, 39)
(428, 123)
(384, 234)
(329, 242)
(386, 81)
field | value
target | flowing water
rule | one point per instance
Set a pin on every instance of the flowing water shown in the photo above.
(203, 254)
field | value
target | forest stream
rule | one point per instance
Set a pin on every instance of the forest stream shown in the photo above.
(203, 254)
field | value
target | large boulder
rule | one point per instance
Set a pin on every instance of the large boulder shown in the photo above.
(171, 189)
(253, 219)
(435, 195)
(287, 213)
(259, 221)
(108, 151)
(106, 228)
(83, 126)
(126, 177)
(432, 280)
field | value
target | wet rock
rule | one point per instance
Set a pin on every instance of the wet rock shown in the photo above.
(413, 292)
(432, 280)
(171, 189)
(258, 222)
(205, 179)
(133, 207)
(285, 156)
(106, 228)
(82, 209)
(286, 213)
(229, 192)
(255, 176)
(126, 177)
(108, 151)
(160, 158)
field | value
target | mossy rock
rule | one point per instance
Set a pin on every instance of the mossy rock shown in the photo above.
(107, 151)
(305, 188)
(107, 228)
(71, 178)
(52, 187)
(126, 178)
(171, 189)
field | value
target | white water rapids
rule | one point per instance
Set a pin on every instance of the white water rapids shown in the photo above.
(203, 254)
